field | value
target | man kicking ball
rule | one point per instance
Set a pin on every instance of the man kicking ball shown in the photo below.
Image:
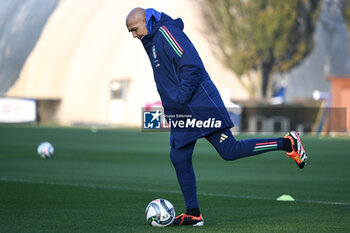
(185, 88)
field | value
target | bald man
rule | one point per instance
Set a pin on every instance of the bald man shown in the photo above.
(188, 94)
(136, 23)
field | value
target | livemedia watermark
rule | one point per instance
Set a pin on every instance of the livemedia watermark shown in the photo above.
(273, 119)
(156, 119)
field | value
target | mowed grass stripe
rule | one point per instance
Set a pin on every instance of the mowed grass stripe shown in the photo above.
(167, 191)
(102, 181)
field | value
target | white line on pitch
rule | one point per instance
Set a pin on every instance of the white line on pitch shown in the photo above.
(167, 191)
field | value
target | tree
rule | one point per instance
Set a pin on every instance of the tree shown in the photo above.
(346, 13)
(266, 36)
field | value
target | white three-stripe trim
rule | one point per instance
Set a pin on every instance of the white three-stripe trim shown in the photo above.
(171, 40)
(270, 145)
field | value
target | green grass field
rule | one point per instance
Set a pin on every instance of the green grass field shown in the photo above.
(102, 182)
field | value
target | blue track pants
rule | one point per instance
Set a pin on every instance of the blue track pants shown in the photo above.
(228, 148)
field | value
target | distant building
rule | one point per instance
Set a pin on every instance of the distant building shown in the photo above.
(340, 120)
(81, 64)
(86, 67)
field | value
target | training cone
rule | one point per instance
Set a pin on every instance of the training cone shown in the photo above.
(285, 197)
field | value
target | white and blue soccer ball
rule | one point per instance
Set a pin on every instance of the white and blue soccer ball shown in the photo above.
(45, 150)
(160, 213)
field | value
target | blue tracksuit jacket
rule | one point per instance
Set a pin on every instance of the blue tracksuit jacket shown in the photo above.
(182, 81)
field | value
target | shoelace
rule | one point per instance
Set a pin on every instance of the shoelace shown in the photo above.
(182, 217)
(297, 152)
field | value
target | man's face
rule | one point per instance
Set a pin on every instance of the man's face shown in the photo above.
(137, 27)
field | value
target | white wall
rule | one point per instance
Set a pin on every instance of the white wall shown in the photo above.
(85, 45)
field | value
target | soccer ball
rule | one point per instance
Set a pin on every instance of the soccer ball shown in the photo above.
(45, 150)
(160, 213)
